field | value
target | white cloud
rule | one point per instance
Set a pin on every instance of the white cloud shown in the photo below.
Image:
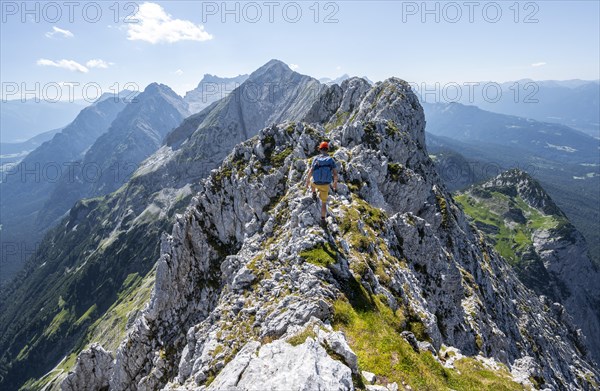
(338, 68)
(179, 72)
(56, 30)
(64, 64)
(538, 64)
(97, 63)
(293, 67)
(154, 25)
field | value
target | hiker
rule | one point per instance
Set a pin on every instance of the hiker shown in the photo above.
(323, 170)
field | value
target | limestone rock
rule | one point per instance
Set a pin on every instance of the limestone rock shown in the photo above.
(307, 367)
(92, 370)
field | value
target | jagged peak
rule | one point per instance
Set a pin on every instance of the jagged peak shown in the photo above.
(275, 62)
(159, 88)
(354, 80)
(145, 100)
(358, 104)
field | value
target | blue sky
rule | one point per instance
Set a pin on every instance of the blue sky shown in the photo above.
(176, 42)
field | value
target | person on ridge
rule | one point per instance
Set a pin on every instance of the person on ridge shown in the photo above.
(322, 171)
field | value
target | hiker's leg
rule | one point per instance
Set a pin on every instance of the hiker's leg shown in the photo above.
(323, 193)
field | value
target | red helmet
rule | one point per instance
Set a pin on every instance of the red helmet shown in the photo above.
(324, 145)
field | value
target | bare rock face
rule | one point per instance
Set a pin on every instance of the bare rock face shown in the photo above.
(92, 370)
(307, 367)
(247, 282)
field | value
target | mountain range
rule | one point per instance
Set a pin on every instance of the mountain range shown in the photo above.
(564, 160)
(22, 120)
(90, 157)
(249, 290)
(204, 266)
(119, 232)
(531, 232)
(26, 186)
(573, 103)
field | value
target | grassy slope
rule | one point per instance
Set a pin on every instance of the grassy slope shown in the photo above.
(109, 330)
(512, 238)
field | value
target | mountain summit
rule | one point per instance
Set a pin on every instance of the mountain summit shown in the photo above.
(210, 89)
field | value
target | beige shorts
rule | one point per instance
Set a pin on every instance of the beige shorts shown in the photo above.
(322, 189)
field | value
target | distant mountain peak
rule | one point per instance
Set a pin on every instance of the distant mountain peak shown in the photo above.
(275, 62)
(123, 94)
(516, 182)
(273, 68)
(210, 89)
(209, 78)
(158, 87)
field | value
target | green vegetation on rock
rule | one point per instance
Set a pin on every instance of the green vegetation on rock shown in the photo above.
(509, 222)
(375, 338)
(321, 255)
(302, 336)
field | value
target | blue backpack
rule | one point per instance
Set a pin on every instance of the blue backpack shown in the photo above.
(323, 167)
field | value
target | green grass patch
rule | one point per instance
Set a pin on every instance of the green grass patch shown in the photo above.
(87, 315)
(224, 173)
(323, 254)
(395, 171)
(109, 329)
(391, 129)
(64, 317)
(299, 339)
(279, 158)
(375, 338)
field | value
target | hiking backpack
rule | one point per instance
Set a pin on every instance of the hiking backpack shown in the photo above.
(323, 167)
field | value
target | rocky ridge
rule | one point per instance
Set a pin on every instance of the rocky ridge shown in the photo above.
(249, 289)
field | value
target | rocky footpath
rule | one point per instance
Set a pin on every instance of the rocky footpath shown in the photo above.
(252, 294)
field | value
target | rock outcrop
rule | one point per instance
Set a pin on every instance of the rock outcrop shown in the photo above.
(251, 293)
(92, 370)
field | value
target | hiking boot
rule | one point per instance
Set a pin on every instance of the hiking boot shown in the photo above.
(323, 222)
